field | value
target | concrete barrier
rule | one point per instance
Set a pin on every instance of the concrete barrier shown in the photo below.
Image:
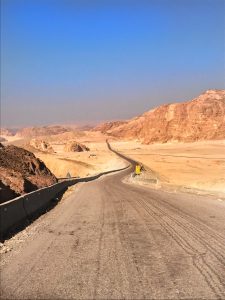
(11, 214)
(39, 199)
(21, 208)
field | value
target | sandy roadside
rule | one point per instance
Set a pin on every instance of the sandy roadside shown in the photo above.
(80, 164)
(193, 167)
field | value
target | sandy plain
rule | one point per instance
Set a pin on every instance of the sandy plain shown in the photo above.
(78, 164)
(194, 167)
(81, 164)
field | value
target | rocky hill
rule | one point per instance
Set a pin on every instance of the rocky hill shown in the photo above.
(21, 172)
(74, 146)
(105, 127)
(202, 118)
(41, 145)
(6, 132)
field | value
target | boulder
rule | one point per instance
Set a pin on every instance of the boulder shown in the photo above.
(74, 146)
(41, 145)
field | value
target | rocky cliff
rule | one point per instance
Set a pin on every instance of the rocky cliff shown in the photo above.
(202, 118)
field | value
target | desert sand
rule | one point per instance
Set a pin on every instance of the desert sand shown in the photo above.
(194, 167)
(81, 164)
(78, 164)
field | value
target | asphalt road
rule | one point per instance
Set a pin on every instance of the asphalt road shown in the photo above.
(110, 240)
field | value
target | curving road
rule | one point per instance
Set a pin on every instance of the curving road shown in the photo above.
(110, 240)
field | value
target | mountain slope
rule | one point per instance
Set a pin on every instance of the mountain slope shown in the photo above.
(105, 127)
(202, 118)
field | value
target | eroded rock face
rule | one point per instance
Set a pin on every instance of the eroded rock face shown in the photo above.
(74, 146)
(41, 145)
(21, 172)
(103, 128)
(202, 118)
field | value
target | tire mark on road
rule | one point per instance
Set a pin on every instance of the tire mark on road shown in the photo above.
(205, 270)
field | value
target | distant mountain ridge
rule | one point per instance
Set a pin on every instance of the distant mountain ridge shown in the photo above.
(41, 131)
(202, 118)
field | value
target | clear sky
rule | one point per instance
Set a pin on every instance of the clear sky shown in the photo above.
(86, 61)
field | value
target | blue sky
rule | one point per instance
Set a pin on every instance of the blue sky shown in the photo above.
(87, 61)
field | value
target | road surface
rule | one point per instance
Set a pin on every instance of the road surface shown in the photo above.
(111, 240)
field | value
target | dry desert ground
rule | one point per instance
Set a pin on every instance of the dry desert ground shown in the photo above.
(97, 160)
(78, 164)
(194, 167)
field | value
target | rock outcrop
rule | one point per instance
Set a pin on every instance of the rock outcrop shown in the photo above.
(6, 132)
(202, 118)
(41, 145)
(74, 146)
(105, 127)
(21, 172)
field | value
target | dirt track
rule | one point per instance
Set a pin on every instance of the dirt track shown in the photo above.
(111, 240)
